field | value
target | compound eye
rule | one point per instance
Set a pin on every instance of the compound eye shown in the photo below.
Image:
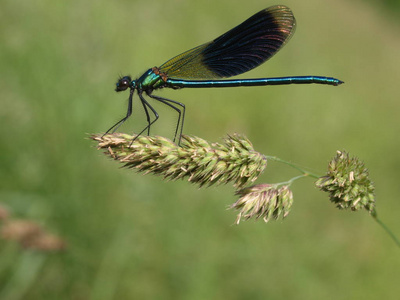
(123, 83)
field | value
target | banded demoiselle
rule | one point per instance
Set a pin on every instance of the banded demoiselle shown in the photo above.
(237, 51)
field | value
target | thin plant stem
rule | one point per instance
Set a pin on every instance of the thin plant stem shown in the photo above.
(304, 172)
(388, 231)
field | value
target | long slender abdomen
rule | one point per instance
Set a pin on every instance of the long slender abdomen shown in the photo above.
(177, 83)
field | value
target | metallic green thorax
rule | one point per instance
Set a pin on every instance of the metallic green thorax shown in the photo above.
(150, 80)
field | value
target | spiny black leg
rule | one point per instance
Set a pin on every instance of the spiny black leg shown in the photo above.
(146, 104)
(147, 117)
(128, 114)
(180, 113)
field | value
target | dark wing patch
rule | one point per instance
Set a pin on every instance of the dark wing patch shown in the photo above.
(237, 51)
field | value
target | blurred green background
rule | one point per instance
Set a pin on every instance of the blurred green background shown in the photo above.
(131, 236)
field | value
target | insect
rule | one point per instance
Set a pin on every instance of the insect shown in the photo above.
(237, 51)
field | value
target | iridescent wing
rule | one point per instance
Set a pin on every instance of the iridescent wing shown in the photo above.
(239, 50)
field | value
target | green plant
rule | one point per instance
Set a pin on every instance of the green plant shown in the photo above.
(347, 181)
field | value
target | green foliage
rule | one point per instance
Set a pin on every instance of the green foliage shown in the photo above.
(130, 236)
